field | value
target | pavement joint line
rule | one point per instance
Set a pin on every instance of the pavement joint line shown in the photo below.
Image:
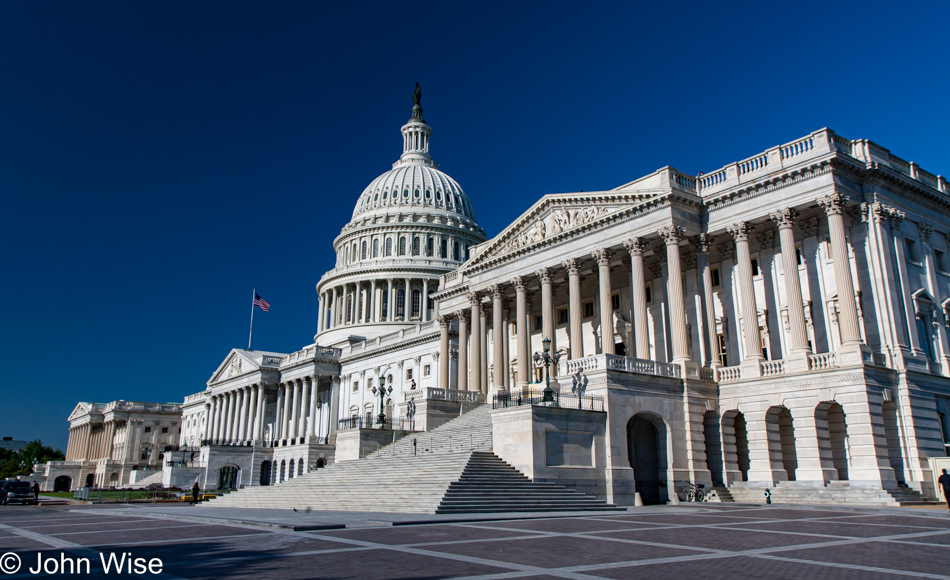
(233, 522)
(177, 540)
(128, 530)
(457, 557)
(125, 521)
(855, 567)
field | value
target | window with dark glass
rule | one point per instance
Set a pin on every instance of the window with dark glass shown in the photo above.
(416, 303)
(401, 303)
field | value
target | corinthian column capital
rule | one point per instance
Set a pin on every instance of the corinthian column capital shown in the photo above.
(741, 231)
(784, 218)
(572, 265)
(833, 203)
(519, 283)
(444, 321)
(672, 234)
(602, 256)
(703, 242)
(496, 290)
(636, 246)
(544, 274)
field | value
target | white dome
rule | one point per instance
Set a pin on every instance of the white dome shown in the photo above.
(414, 185)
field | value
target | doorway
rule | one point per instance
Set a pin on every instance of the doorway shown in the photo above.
(644, 450)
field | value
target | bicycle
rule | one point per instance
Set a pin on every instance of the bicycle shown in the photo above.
(694, 492)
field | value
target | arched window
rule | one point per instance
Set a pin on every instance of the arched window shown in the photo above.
(405, 194)
(401, 303)
(376, 197)
(416, 303)
(385, 194)
(354, 254)
(402, 245)
(363, 251)
(417, 194)
(438, 195)
(455, 252)
(389, 246)
(347, 258)
(430, 246)
(376, 248)
(444, 250)
(415, 245)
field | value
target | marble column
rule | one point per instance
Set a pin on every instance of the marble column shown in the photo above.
(333, 309)
(407, 302)
(505, 344)
(547, 306)
(390, 301)
(443, 352)
(521, 307)
(314, 393)
(242, 414)
(498, 337)
(702, 243)
(641, 329)
(373, 303)
(674, 293)
(476, 358)
(229, 417)
(462, 382)
(304, 406)
(259, 412)
(295, 409)
(798, 335)
(483, 345)
(834, 206)
(606, 301)
(424, 302)
(285, 418)
(752, 339)
(574, 292)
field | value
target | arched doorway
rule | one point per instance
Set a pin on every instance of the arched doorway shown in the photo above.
(283, 471)
(645, 447)
(91, 480)
(62, 483)
(290, 473)
(713, 440)
(265, 473)
(227, 477)
(892, 434)
(735, 443)
(832, 437)
(781, 434)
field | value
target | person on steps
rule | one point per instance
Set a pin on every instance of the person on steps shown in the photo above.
(944, 481)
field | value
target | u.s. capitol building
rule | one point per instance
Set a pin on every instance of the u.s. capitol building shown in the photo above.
(778, 323)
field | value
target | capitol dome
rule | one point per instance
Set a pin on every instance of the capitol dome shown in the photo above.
(410, 225)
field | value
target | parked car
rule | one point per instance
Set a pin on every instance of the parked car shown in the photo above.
(16, 492)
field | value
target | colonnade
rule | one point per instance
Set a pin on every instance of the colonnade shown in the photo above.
(237, 416)
(374, 301)
(472, 356)
(90, 442)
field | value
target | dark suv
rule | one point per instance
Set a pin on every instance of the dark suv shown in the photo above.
(16, 492)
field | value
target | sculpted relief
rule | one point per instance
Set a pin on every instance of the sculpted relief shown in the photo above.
(555, 222)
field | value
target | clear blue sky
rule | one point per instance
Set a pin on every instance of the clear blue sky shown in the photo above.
(158, 160)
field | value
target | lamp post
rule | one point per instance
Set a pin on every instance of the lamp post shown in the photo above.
(544, 359)
(381, 392)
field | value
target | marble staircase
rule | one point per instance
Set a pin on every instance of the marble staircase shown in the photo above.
(835, 492)
(450, 469)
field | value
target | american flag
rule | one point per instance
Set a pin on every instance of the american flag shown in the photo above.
(261, 302)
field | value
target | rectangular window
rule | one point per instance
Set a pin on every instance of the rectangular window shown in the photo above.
(538, 322)
(356, 386)
(164, 429)
(148, 429)
(798, 255)
(408, 374)
(716, 281)
(910, 248)
(723, 353)
(940, 261)
(444, 252)
(648, 291)
(426, 370)
(562, 316)
(755, 266)
(615, 301)
(369, 384)
(588, 309)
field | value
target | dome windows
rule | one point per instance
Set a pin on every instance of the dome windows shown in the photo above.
(402, 244)
(376, 197)
(405, 194)
(438, 195)
(385, 194)
(376, 248)
(389, 246)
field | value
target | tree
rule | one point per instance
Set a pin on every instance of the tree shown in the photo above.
(21, 463)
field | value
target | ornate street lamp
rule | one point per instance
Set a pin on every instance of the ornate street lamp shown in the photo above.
(381, 392)
(544, 359)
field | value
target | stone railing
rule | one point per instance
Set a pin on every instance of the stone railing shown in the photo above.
(819, 362)
(625, 364)
(436, 394)
(729, 374)
(311, 352)
(771, 368)
(707, 374)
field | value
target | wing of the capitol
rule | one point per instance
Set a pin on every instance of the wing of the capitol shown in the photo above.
(779, 323)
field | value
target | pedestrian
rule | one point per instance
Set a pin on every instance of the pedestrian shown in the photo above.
(195, 490)
(944, 481)
(36, 492)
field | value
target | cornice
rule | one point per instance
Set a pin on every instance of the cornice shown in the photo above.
(768, 184)
(416, 341)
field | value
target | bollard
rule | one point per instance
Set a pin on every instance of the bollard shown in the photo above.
(637, 500)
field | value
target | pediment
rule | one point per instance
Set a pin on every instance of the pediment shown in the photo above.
(81, 410)
(560, 216)
(235, 364)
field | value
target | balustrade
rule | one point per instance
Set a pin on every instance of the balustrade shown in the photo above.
(771, 368)
(826, 360)
(729, 374)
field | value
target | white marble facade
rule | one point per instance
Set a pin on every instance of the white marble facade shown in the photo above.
(705, 311)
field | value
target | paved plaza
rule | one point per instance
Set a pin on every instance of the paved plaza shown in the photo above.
(735, 542)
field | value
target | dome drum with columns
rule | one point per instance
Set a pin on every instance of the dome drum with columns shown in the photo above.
(411, 225)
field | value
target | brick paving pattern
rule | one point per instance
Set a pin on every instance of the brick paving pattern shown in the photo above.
(736, 542)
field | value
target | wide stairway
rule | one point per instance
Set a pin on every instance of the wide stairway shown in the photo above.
(450, 469)
(835, 492)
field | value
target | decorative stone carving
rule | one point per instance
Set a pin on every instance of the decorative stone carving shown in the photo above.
(636, 246)
(784, 218)
(808, 226)
(444, 321)
(689, 262)
(833, 203)
(897, 218)
(544, 274)
(726, 251)
(572, 266)
(703, 242)
(495, 290)
(766, 239)
(602, 256)
(543, 227)
(671, 234)
(657, 269)
(518, 282)
(925, 231)
(463, 315)
(741, 231)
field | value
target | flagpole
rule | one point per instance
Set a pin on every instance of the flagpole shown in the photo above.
(251, 334)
